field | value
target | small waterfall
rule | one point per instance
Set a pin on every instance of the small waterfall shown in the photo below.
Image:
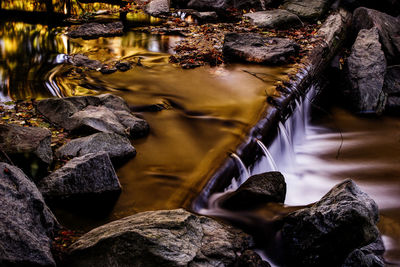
(268, 155)
(244, 173)
(287, 149)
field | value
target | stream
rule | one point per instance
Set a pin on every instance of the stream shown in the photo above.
(207, 113)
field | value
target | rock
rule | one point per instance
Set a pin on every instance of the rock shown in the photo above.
(391, 7)
(252, 47)
(118, 148)
(123, 66)
(104, 113)
(105, 69)
(158, 7)
(94, 30)
(28, 147)
(274, 19)
(258, 189)
(388, 29)
(365, 68)
(391, 87)
(311, 10)
(342, 221)
(335, 28)
(250, 4)
(208, 5)
(207, 16)
(26, 223)
(250, 259)
(88, 175)
(160, 238)
(368, 256)
(80, 60)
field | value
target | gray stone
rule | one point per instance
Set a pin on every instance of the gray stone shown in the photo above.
(80, 60)
(388, 29)
(365, 68)
(252, 47)
(26, 223)
(250, 259)
(257, 190)
(308, 9)
(91, 175)
(327, 232)
(334, 28)
(158, 7)
(274, 19)
(95, 30)
(117, 147)
(359, 258)
(391, 87)
(207, 16)
(136, 127)
(222, 5)
(160, 238)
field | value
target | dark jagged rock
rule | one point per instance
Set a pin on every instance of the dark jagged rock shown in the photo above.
(258, 189)
(365, 68)
(391, 7)
(27, 146)
(274, 19)
(105, 69)
(391, 87)
(26, 223)
(123, 66)
(105, 113)
(80, 60)
(250, 259)
(388, 29)
(160, 238)
(308, 9)
(88, 175)
(252, 47)
(158, 7)
(117, 147)
(342, 221)
(222, 5)
(95, 30)
(368, 256)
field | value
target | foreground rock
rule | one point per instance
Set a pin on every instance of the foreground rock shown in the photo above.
(80, 60)
(26, 222)
(327, 232)
(158, 7)
(160, 238)
(118, 148)
(258, 189)
(95, 30)
(368, 256)
(388, 29)
(257, 48)
(366, 67)
(87, 114)
(27, 146)
(274, 19)
(311, 10)
(91, 175)
(391, 87)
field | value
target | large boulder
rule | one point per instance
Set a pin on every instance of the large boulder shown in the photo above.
(95, 30)
(118, 148)
(28, 147)
(310, 10)
(327, 232)
(91, 175)
(256, 190)
(365, 69)
(160, 238)
(391, 87)
(26, 223)
(391, 7)
(158, 7)
(252, 47)
(367, 256)
(388, 29)
(274, 19)
(105, 113)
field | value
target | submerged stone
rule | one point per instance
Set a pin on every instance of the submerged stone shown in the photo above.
(94, 30)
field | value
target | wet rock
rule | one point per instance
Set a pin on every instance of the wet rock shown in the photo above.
(123, 66)
(26, 222)
(158, 7)
(274, 19)
(250, 4)
(95, 30)
(88, 175)
(391, 87)
(388, 29)
(311, 10)
(80, 60)
(28, 147)
(208, 5)
(368, 256)
(391, 7)
(105, 69)
(335, 27)
(258, 189)
(207, 16)
(252, 47)
(250, 259)
(104, 113)
(342, 221)
(117, 147)
(160, 238)
(365, 68)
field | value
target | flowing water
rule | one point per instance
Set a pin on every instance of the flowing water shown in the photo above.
(207, 113)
